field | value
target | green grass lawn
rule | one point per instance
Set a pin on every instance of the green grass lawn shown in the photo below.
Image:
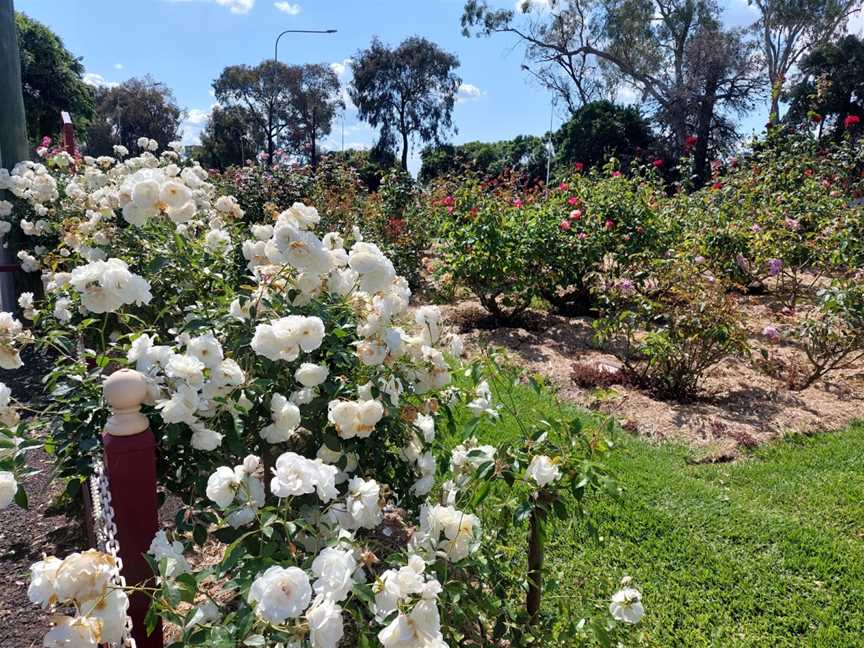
(767, 551)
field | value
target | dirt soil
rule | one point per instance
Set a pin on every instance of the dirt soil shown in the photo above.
(739, 404)
(26, 535)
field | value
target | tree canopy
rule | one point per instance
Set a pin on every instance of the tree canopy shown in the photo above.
(830, 86)
(293, 106)
(232, 135)
(693, 74)
(788, 29)
(52, 80)
(409, 91)
(135, 108)
(601, 129)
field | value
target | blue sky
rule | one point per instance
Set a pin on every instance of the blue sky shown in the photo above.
(186, 43)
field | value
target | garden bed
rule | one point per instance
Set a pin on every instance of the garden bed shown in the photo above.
(739, 405)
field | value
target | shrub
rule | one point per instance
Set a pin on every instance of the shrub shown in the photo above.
(483, 244)
(779, 219)
(304, 365)
(832, 335)
(671, 326)
(584, 220)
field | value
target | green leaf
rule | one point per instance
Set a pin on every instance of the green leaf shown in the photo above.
(21, 497)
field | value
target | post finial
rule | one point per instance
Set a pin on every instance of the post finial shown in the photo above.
(124, 391)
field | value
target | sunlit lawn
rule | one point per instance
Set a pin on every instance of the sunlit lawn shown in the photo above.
(767, 551)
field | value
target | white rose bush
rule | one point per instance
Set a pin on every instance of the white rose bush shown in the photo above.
(298, 405)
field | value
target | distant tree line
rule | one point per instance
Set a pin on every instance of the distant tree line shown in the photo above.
(693, 78)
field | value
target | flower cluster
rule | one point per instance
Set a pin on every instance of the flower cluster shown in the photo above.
(83, 580)
(13, 338)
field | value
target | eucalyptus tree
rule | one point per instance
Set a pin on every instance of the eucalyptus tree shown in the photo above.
(409, 90)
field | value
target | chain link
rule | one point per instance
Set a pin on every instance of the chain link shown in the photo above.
(106, 535)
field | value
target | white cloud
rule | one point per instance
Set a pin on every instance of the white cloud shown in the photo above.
(98, 81)
(197, 116)
(234, 6)
(343, 71)
(288, 8)
(193, 125)
(118, 66)
(468, 92)
(342, 68)
(527, 6)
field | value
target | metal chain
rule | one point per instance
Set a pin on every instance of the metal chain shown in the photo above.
(106, 535)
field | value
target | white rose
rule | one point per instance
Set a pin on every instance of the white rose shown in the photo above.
(8, 487)
(111, 610)
(222, 486)
(311, 375)
(84, 575)
(80, 632)
(325, 624)
(280, 593)
(333, 569)
(161, 547)
(627, 606)
(43, 585)
(297, 475)
(542, 470)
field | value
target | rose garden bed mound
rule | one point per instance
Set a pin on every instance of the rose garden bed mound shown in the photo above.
(738, 405)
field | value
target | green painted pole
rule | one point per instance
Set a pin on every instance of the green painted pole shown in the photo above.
(13, 125)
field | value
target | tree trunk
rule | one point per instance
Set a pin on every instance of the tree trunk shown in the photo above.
(703, 133)
(13, 126)
(312, 135)
(535, 564)
(270, 144)
(404, 151)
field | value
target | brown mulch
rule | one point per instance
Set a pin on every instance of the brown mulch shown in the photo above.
(739, 406)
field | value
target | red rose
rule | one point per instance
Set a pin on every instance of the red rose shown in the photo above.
(578, 166)
(609, 224)
(851, 120)
(658, 163)
(564, 225)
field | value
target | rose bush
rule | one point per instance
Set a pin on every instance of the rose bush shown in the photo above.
(582, 221)
(295, 400)
(670, 324)
(778, 220)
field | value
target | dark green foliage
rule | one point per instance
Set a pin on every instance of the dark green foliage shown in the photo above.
(52, 81)
(231, 137)
(830, 86)
(525, 154)
(600, 130)
(409, 90)
(135, 108)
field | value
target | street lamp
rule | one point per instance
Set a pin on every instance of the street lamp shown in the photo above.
(550, 147)
(275, 71)
(297, 31)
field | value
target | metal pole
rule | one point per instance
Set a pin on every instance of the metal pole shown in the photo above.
(13, 127)
(297, 31)
(276, 60)
(549, 147)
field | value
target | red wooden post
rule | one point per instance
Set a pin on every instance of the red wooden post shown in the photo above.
(68, 133)
(130, 463)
